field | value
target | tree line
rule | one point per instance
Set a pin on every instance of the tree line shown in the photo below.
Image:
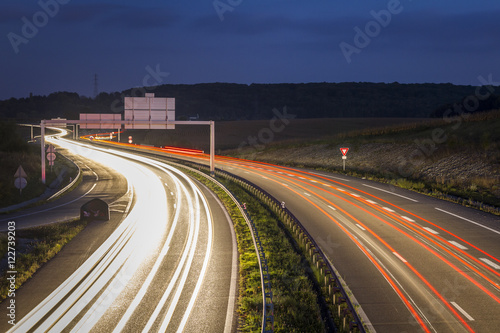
(227, 101)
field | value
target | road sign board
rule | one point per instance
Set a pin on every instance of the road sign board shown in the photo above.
(344, 151)
(20, 173)
(51, 157)
(20, 183)
(344, 157)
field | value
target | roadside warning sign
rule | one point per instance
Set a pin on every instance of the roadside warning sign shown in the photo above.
(344, 151)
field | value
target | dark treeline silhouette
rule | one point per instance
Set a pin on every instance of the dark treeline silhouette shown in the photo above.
(226, 101)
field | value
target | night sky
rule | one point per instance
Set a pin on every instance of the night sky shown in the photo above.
(59, 45)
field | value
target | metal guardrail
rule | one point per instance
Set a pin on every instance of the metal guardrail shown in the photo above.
(346, 311)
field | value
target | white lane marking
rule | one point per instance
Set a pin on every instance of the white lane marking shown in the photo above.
(432, 231)
(284, 184)
(46, 210)
(489, 262)
(459, 308)
(341, 190)
(301, 178)
(399, 195)
(331, 207)
(463, 218)
(360, 227)
(355, 195)
(332, 177)
(307, 194)
(371, 201)
(313, 181)
(407, 218)
(388, 209)
(460, 246)
(290, 175)
(399, 256)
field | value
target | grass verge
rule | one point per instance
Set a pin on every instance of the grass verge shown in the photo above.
(295, 299)
(36, 246)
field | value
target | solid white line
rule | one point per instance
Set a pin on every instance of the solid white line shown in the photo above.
(360, 227)
(459, 308)
(463, 218)
(399, 195)
(388, 209)
(399, 256)
(62, 205)
(460, 246)
(489, 262)
(432, 231)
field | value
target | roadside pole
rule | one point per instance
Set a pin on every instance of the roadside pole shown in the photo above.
(42, 144)
(344, 157)
(212, 148)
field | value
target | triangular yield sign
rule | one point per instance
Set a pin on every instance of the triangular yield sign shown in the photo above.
(344, 150)
(20, 173)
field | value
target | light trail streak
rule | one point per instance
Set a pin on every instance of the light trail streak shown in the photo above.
(120, 256)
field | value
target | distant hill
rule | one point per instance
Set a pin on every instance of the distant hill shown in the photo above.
(226, 101)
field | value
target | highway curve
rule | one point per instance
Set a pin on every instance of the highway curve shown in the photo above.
(170, 263)
(414, 263)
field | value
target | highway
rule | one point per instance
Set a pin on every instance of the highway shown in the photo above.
(413, 263)
(169, 264)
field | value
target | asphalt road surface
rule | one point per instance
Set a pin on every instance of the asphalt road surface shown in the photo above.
(168, 262)
(413, 263)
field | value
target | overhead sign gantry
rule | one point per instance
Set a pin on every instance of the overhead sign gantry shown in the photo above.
(147, 112)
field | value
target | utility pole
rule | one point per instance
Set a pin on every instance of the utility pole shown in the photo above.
(96, 90)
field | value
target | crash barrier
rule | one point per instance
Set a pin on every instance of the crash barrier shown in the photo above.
(346, 312)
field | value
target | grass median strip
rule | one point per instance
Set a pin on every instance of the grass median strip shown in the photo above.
(34, 247)
(296, 306)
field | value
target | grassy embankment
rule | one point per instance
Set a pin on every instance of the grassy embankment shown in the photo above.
(26, 155)
(34, 247)
(295, 300)
(455, 159)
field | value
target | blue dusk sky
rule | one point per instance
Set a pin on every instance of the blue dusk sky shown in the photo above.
(59, 45)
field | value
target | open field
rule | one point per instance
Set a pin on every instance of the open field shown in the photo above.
(455, 158)
(232, 134)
